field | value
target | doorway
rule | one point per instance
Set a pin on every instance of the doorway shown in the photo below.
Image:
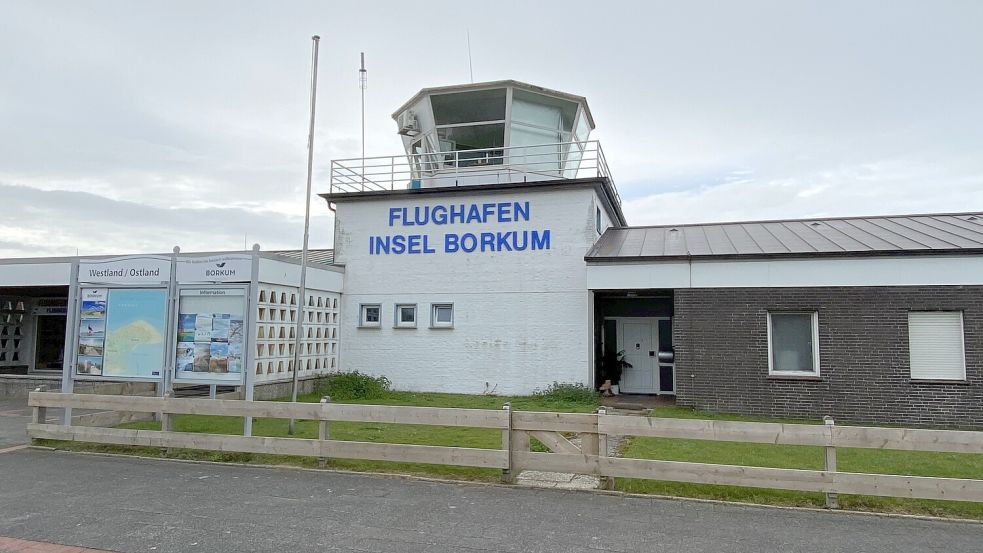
(49, 348)
(642, 339)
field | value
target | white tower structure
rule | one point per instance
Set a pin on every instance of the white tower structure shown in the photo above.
(513, 131)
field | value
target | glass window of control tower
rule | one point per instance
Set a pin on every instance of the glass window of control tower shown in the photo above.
(472, 120)
(539, 123)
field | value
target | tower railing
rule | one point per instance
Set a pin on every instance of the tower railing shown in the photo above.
(512, 164)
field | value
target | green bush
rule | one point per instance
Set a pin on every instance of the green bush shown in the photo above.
(567, 392)
(353, 385)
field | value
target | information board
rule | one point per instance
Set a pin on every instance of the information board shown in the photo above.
(121, 333)
(210, 335)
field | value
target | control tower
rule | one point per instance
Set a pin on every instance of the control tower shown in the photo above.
(483, 133)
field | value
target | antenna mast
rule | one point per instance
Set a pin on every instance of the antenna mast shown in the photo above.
(470, 66)
(363, 76)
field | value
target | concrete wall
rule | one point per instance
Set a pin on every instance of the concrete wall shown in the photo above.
(721, 343)
(521, 318)
(18, 386)
(276, 390)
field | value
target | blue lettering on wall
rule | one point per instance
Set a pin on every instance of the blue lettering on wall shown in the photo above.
(466, 242)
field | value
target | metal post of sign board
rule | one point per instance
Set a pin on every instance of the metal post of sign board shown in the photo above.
(249, 361)
(167, 384)
(71, 330)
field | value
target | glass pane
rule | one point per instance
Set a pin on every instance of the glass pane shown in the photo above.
(543, 111)
(443, 314)
(572, 162)
(407, 314)
(473, 137)
(536, 149)
(468, 107)
(665, 335)
(582, 130)
(791, 342)
(371, 314)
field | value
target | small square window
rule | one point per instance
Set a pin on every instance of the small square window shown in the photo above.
(793, 344)
(405, 315)
(442, 315)
(370, 315)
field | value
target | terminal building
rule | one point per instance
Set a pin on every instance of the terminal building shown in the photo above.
(493, 256)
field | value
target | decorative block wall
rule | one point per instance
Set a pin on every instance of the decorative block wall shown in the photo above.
(14, 332)
(276, 323)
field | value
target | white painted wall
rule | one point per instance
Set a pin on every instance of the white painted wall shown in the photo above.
(287, 273)
(846, 271)
(521, 318)
(35, 273)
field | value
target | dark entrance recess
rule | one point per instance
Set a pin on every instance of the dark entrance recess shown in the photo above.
(50, 343)
(636, 303)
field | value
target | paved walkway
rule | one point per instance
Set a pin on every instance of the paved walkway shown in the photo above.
(14, 416)
(130, 505)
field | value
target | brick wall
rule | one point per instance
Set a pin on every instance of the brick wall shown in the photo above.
(721, 343)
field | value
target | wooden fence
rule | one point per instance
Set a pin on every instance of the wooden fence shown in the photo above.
(550, 429)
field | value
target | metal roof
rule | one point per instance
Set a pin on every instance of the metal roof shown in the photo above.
(959, 233)
(325, 256)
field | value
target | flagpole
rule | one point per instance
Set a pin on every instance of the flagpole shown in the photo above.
(302, 295)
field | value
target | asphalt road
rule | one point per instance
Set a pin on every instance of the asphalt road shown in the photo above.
(138, 505)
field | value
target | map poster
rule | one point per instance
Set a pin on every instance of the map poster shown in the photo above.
(210, 334)
(136, 322)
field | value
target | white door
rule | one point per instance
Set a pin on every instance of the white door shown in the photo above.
(639, 340)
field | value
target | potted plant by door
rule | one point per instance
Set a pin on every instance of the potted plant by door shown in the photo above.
(614, 364)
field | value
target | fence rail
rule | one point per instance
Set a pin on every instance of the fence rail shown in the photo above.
(551, 429)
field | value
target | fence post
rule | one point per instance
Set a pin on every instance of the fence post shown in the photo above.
(606, 482)
(39, 414)
(323, 432)
(832, 501)
(166, 421)
(507, 475)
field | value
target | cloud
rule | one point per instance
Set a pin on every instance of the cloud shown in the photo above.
(62, 222)
(883, 188)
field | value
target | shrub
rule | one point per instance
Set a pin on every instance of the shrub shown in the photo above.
(567, 392)
(353, 385)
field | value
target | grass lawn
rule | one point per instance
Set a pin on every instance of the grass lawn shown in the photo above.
(915, 463)
(485, 438)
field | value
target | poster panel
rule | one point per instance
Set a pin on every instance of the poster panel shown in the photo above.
(121, 333)
(210, 335)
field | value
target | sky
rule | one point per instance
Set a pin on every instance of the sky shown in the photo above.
(133, 127)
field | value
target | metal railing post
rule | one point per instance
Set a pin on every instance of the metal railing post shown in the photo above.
(323, 431)
(832, 500)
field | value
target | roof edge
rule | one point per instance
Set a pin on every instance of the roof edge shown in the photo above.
(608, 260)
(811, 219)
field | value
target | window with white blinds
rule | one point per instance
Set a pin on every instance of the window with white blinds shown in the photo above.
(935, 344)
